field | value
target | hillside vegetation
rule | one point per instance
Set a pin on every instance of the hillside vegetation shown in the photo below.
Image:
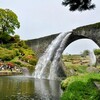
(19, 54)
(83, 80)
(13, 51)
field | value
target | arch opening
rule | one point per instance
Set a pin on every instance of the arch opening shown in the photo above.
(78, 46)
(77, 56)
(50, 65)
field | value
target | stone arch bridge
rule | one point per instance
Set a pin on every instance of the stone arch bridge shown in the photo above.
(89, 31)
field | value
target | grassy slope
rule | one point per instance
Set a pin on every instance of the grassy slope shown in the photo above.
(19, 54)
(75, 64)
(80, 84)
(81, 87)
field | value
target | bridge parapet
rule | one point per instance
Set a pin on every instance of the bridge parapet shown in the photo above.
(90, 31)
(39, 45)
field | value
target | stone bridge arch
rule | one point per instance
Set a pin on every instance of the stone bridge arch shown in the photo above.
(54, 52)
(89, 31)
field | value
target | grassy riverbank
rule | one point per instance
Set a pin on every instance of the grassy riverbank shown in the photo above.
(83, 81)
(9, 73)
(82, 87)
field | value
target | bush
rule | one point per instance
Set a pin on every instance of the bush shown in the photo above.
(7, 54)
(16, 38)
(80, 87)
(33, 61)
(15, 52)
(30, 59)
(79, 90)
(17, 62)
(97, 51)
(22, 44)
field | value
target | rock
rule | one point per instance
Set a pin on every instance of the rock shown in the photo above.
(97, 84)
(93, 69)
(61, 69)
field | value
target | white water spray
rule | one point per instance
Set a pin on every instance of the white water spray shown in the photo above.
(25, 71)
(55, 62)
(92, 58)
(48, 63)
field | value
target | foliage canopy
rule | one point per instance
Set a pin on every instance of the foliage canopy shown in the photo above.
(97, 51)
(8, 23)
(79, 5)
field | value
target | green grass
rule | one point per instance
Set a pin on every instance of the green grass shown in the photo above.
(77, 68)
(15, 59)
(20, 63)
(81, 87)
(79, 84)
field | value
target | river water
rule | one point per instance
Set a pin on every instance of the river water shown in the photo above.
(28, 88)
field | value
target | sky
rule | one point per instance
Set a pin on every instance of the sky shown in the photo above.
(41, 18)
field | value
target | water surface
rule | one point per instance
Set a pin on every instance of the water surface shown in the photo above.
(28, 88)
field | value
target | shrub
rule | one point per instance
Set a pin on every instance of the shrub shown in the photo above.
(17, 62)
(97, 51)
(16, 38)
(79, 90)
(81, 87)
(22, 44)
(7, 54)
(15, 52)
(30, 59)
(33, 61)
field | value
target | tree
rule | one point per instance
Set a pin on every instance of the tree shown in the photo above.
(16, 38)
(85, 53)
(79, 5)
(97, 52)
(8, 22)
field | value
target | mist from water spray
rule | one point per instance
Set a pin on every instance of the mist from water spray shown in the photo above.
(92, 58)
(55, 62)
(25, 71)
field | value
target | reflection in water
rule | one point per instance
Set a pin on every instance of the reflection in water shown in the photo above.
(27, 88)
(47, 90)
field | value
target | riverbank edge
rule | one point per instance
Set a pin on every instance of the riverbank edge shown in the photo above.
(9, 73)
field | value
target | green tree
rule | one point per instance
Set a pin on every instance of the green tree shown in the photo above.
(16, 38)
(85, 53)
(97, 53)
(8, 23)
(79, 5)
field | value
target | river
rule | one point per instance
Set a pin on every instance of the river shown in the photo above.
(28, 88)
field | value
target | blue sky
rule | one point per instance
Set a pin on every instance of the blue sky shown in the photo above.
(41, 18)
